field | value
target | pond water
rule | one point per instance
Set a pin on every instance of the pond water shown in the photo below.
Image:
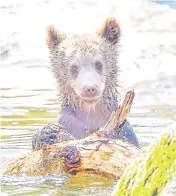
(28, 90)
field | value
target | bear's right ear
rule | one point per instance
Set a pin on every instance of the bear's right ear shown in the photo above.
(110, 30)
(54, 38)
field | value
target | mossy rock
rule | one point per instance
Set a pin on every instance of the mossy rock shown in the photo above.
(149, 172)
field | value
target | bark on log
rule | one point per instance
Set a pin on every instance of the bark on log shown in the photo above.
(95, 154)
(109, 160)
(152, 169)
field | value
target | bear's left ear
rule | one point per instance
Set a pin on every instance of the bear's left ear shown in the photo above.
(54, 38)
(110, 30)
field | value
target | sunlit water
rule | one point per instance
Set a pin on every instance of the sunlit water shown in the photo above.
(28, 91)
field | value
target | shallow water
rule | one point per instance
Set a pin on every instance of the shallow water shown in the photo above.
(28, 93)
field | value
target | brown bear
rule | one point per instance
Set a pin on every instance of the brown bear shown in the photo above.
(86, 71)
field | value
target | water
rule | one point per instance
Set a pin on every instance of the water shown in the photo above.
(28, 91)
(171, 3)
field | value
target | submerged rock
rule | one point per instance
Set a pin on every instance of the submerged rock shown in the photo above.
(152, 172)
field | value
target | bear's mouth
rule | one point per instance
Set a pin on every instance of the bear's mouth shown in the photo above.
(90, 99)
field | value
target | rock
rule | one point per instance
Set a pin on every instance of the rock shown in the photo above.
(152, 169)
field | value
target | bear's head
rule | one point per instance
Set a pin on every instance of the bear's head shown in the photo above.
(86, 67)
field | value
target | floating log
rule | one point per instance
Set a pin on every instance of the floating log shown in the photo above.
(94, 154)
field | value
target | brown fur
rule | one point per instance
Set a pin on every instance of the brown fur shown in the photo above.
(104, 45)
(77, 63)
(109, 26)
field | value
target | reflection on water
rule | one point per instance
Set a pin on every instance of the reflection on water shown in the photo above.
(28, 91)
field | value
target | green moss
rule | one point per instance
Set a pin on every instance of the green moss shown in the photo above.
(151, 170)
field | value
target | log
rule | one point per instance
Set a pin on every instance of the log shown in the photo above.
(94, 154)
(109, 160)
(152, 172)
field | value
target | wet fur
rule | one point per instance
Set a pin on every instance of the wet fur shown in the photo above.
(78, 117)
(67, 49)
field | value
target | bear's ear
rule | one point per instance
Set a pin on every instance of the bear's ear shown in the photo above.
(54, 38)
(110, 30)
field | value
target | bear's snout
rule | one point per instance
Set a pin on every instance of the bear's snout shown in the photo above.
(90, 91)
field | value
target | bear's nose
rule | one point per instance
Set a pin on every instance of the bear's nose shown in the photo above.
(90, 91)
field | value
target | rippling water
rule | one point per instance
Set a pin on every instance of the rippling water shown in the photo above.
(28, 93)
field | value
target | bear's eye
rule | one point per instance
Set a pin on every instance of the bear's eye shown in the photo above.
(74, 69)
(98, 65)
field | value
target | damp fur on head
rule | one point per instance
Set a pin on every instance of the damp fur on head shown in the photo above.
(103, 46)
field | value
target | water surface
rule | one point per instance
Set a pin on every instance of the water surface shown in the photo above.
(28, 90)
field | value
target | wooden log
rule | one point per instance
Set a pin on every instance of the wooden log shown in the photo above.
(109, 160)
(94, 154)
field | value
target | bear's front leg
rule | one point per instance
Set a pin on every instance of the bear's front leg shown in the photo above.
(127, 133)
(124, 132)
(48, 135)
